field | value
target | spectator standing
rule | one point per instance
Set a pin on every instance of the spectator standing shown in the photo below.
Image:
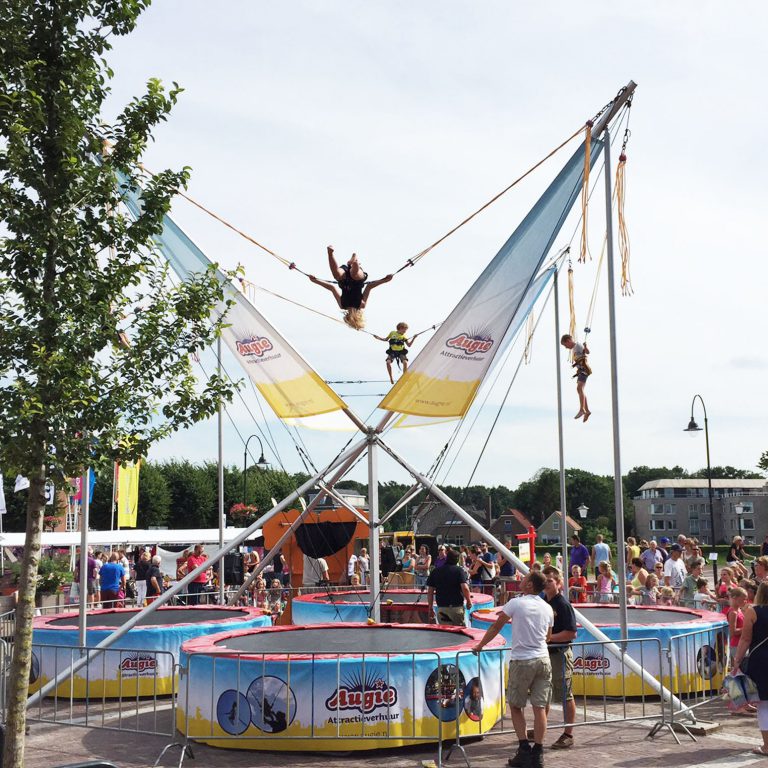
(154, 580)
(674, 568)
(761, 568)
(195, 560)
(560, 653)
(92, 573)
(689, 588)
(579, 554)
(735, 614)
(530, 673)
(112, 583)
(440, 560)
(764, 547)
(352, 567)
(664, 543)
(601, 552)
(316, 572)
(142, 568)
(448, 586)
(754, 636)
(422, 566)
(364, 565)
(651, 556)
(577, 586)
(279, 569)
(639, 574)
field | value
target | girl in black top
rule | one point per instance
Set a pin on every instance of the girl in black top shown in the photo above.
(352, 288)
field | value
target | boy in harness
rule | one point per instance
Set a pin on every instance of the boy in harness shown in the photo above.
(583, 372)
(397, 348)
(352, 288)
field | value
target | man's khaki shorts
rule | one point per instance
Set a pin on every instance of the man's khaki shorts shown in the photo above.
(562, 675)
(452, 615)
(529, 677)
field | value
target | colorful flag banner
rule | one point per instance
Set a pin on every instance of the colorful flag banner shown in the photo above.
(287, 382)
(128, 495)
(444, 378)
(77, 483)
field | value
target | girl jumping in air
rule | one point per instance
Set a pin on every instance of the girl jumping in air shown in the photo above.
(583, 372)
(351, 289)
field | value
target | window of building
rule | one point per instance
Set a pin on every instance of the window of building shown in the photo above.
(507, 525)
(656, 525)
(747, 524)
(454, 541)
(555, 525)
(669, 509)
(657, 509)
(693, 527)
(748, 507)
(693, 511)
(672, 524)
(706, 524)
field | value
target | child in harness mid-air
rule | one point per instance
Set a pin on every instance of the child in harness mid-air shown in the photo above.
(352, 288)
(583, 372)
(397, 348)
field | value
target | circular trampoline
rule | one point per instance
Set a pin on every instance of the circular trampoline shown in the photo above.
(329, 687)
(697, 641)
(148, 652)
(398, 606)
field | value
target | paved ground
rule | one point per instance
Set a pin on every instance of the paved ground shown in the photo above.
(602, 746)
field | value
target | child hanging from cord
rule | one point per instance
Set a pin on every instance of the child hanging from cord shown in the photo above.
(397, 348)
(583, 371)
(354, 285)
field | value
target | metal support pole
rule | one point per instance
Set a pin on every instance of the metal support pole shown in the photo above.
(616, 651)
(182, 584)
(618, 489)
(85, 507)
(295, 524)
(221, 480)
(373, 516)
(563, 507)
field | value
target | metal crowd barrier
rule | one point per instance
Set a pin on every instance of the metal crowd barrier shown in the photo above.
(696, 664)
(121, 689)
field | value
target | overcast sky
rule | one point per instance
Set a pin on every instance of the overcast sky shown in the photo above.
(378, 126)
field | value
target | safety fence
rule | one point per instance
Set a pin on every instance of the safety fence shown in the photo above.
(119, 689)
(342, 702)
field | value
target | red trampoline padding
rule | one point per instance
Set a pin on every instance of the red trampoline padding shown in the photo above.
(343, 640)
(166, 616)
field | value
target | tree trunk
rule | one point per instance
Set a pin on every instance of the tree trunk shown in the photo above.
(18, 681)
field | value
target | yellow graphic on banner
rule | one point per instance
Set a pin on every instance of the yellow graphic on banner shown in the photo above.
(308, 395)
(128, 495)
(421, 395)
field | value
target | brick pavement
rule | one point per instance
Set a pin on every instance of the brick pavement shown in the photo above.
(605, 746)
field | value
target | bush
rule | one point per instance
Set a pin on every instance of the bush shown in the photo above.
(53, 573)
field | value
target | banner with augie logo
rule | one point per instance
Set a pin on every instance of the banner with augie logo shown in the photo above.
(443, 379)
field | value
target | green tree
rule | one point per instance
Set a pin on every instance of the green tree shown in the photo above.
(194, 494)
(94, 360)
(763, 461)
(154, 496)
(727, 472)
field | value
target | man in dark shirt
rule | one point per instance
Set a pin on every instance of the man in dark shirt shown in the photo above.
(450, 583)
(154, 580)
(560, 653)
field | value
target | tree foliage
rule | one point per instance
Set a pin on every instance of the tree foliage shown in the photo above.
(94, 359)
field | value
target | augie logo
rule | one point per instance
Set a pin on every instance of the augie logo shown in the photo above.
(256, 345)
(469, 344)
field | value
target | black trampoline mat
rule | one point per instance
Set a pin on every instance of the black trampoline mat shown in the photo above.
(363, 598)
(160, 617)
(610, 615)
(345, 640)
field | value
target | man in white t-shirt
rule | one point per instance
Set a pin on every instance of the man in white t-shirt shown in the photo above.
(352, 567)
(315, 571)
(530, 671)
(674, 569)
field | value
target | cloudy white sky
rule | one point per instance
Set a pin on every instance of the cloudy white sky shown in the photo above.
(378, 126)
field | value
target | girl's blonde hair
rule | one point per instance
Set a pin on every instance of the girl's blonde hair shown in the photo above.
(603, 565)
(354, 318)
(667, 592)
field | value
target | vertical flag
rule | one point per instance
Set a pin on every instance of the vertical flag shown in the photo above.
(128, 495)
(77, 482)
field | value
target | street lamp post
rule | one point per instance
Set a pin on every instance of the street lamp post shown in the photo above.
(693, 427)
(739, 510)
(262, 462)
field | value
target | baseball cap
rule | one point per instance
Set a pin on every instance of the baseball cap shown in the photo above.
(676, 548)
(663, 540)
